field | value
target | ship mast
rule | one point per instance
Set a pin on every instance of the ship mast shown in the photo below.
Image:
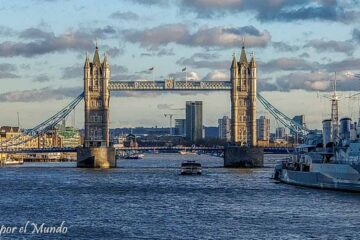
(335, 113)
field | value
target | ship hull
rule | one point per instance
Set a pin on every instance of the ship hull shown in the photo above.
(317, 180)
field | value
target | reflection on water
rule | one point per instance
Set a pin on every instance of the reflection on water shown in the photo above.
(149, 199)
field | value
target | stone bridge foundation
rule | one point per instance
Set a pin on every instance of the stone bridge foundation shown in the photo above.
(243, 157)
(96, 157)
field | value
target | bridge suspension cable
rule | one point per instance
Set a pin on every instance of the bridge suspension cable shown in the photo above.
(281, 117)
(39, 130)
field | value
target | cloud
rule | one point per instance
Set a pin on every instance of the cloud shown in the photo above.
(6, 31)
(42, 42)
(7, 67)
(217, 76)
(40, 95)
(7, 71)
(346, 47)
(356, 35)
(151, 2)
(182, 76)
(204, 60)
(128, 16)
(41, 78)
(158, 52)
(274, 10)
(343, 65)
(284, 47)
(222, 37)
(287, 64)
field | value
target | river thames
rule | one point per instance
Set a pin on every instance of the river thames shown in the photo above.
(148, 199)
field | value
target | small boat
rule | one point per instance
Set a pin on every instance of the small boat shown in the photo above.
(190, 168)
(13, 161)
(187, 153)
(134, 156)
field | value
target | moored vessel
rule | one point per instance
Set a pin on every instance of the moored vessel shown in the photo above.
(329, 159)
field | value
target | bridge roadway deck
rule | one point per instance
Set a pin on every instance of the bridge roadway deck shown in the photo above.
(170, 85)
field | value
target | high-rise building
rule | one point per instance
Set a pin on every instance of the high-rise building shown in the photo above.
(263, 128)
(194, 120)
(224, 128)
(280, 133)
(180, 127)
(300, 119)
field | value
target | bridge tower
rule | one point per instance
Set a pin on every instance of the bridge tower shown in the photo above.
(245, 152)
(97, 151)
(243, 100)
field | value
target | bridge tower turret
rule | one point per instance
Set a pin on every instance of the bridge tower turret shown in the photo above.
(252, 101)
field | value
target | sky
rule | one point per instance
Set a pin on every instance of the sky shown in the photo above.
(298, 46)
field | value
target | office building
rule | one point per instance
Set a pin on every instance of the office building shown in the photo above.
(224, 128)
(194, 120)
(263, 128)
(180, 127)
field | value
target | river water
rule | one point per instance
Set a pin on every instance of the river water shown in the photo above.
(148, 199)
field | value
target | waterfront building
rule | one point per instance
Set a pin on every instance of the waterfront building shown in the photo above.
(180, 127)
(263, 128)
(280, 133)
(70, 137)
(194, 120)
(224, 128)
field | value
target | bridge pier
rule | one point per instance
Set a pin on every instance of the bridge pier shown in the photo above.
(96, 157)
(243, 157)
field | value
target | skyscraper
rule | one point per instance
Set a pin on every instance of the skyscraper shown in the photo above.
(180, 127)
(263, 128)
(194, 120)
(280, 133)
(225, 128)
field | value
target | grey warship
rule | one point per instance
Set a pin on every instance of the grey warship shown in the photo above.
(328, 159)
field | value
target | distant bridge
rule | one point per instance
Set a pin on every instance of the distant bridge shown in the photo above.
(37, 150)
(268, 150)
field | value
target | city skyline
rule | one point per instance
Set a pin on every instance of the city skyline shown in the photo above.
(42, 58)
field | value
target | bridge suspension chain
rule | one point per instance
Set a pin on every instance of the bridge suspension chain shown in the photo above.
(281, 117)
(39, 130)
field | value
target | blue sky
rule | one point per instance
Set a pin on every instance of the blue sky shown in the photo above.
(298, 45)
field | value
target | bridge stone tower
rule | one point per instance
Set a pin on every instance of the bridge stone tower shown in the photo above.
(243, 100)
(97, 151)
(244, 153)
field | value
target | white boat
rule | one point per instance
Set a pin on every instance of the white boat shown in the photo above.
(187, 153)
(10, 161)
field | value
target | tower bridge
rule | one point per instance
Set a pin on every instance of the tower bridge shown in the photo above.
(97, 150)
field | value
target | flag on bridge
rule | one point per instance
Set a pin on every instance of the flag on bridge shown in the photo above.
(151, 69)
(184, 69)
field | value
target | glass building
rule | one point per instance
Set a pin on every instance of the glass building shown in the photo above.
(194, 120)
